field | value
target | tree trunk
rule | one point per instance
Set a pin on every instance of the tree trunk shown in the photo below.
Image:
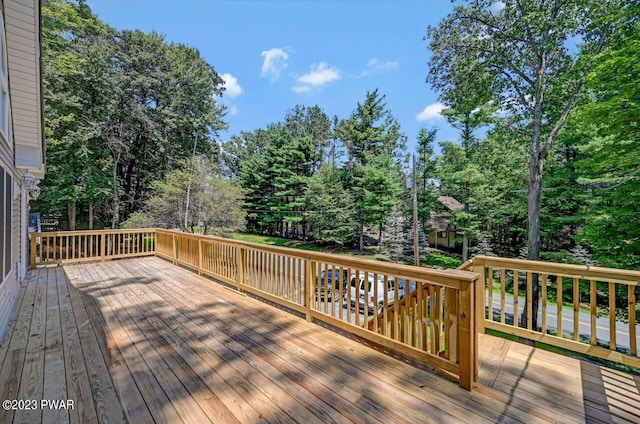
(536, 162)
(116, 198)
(91, 216)
(361, 231)
(465, 247)
(71, 213)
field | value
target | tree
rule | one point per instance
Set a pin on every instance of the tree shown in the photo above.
(215, 202)
(239, 149)
(122, 110)
(608, 162)
(73, 78)
(425, 173)
(523, 49)
(330, 208)
(162, 109)
(374, 146)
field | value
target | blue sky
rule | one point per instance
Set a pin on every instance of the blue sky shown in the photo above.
(274, 55)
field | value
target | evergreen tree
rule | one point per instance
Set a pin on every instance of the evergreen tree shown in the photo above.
(330, 208)
(374, 144)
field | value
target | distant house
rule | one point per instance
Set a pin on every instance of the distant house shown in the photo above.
(21, 140)
(441, 232)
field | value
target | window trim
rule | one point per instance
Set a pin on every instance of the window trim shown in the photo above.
(6, 223)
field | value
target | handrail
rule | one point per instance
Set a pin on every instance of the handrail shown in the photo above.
(422, 325)
(588, 299)
(59, 247)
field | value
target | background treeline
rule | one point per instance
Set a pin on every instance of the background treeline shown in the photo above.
(132, 128)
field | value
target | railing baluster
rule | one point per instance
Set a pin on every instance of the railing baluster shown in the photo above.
(576, 309)
(544, 303)
(559, 304)
(593, 295)
(632, 320)
(530, 301)
(612, 315)
(516, 283)
(503, 294)
(490, 296)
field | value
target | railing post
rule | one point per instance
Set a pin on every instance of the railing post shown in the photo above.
(32, 259)
(103, 246)
(467, 334)
(239, 268)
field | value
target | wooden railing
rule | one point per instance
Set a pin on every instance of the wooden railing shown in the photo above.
(426, 314)
(590, 310)
(53, 248)
(442, 332)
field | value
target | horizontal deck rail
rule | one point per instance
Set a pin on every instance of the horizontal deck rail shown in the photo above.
(60, 247)
(590, 310)
(428, 314)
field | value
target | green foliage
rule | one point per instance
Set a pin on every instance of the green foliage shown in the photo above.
(440, 260)
(137, 219)
(122, 110)
(519, 54)
(330, 208)
(193, 196)
(374, 147)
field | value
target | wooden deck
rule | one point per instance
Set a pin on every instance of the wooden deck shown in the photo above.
(141, 340)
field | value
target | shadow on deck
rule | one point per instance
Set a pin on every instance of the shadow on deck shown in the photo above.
(143, 340)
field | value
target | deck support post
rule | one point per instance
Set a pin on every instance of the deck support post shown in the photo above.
(467, 334)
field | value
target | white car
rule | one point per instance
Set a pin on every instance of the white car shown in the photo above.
(358, 290)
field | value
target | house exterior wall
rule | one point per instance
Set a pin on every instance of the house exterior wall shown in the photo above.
(437, 240)
(22, 26)
(21, 139)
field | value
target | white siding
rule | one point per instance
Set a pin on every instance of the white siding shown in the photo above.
(22, 145)
(22, 25)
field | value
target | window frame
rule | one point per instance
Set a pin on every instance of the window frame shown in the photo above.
(6, 223)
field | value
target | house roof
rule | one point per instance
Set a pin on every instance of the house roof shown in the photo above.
(451, 203)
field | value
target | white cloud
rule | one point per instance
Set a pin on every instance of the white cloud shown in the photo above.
(233, 89)
(275, 60)
(431, 112)
(301, 88)
(320, 74)
(375, 65)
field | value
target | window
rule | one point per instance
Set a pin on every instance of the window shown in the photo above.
(6, 186)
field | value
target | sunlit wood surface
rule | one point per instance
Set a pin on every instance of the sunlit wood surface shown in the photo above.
(142, 340)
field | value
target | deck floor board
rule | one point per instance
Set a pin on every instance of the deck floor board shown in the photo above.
(141, 340)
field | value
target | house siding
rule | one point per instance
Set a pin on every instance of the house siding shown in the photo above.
(22, 25)
(21, 147)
